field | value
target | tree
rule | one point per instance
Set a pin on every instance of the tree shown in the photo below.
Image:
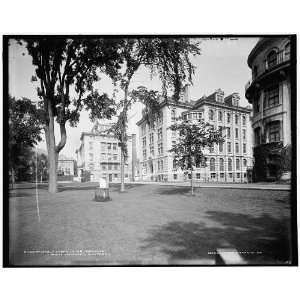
(24, 132)
(193, 139)
(66, 69)
(169, 58)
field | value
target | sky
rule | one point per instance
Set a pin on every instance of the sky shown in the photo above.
(222, 64)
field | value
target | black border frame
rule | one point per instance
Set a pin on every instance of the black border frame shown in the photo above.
(294, 235)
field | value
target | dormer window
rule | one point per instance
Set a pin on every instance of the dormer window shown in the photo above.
(271, 59)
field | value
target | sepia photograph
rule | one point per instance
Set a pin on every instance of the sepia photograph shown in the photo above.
(149, 150)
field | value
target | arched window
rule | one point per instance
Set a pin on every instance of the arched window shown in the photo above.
(237, 164)
(245, 163)
(287, 51)
(212, 164)
(173, 115)
(271, 59)
(244, 120)
(220, 116)
(221, 164)
(211, 114)
(229, 164)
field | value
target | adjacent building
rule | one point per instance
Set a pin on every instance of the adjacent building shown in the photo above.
(269, 91)
(66, 167)
(226, 162)
(100, 154)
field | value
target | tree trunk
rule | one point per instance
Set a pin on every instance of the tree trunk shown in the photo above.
(192, 186)
(122, 170)
(123, 139)
(50, 139)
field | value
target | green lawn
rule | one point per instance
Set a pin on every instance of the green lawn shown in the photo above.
(148, 224)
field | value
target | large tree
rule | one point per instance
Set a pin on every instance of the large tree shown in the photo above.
(24, 132)
(168, 58)
(66, 69)
(193, 139)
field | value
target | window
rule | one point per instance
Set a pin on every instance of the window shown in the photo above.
(245, 162)
(228, 118)
(271, 59)
(229, 164)
(221, 147)
(151, 138)
(287, 51)
(144, 154)
(256, 104)
(274, 132)
(271, 96)
(114, 146)
(197, 175)
(237, 175)
(244, 120)
(244, 148)
(220, 118)
(115, 157)
(236, 119)
(159, 133)
(236, 133)
(175, 176)
(257, 135)
(174, 164)
(211, 149)
(237, 148)
(173, 115)
(116, 175)
(109, 156)
(254, 72)
(228, 133)
(160, 148)
(211, 115)
(244, 134)
(152, 150)
(103, 146)
(109, 146)
(144, 142)
(212, 175)
(212, 164)
(229, 147)
(162, 164)
(143, 129)
(221, 164)
(237, 164)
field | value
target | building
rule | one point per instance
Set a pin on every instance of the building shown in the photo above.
(227, 162)
(269, 91)
(66, 167)
(100, 154)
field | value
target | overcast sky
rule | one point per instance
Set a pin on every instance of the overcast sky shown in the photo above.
(222, 64)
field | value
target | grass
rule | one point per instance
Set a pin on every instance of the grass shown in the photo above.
(148, 224)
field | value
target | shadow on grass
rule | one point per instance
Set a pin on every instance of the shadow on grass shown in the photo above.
(194, 241)
(174, 190)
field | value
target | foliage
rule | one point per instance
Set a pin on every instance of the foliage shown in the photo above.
(266, 156)
(193, 139)
(24, 131)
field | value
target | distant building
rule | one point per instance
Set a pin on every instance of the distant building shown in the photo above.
(100, 154)
(66, 167)
(226, 162)
(269, 91)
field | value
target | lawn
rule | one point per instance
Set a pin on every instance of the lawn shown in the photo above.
(148, 224)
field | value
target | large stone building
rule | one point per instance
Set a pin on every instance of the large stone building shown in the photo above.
(227, 162)
(269, 91)
(100, 154)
